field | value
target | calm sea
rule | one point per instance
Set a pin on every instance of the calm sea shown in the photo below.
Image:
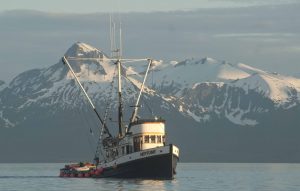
(190, 176)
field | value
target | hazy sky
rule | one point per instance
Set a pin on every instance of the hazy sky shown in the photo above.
(264, 34)
(88, 6)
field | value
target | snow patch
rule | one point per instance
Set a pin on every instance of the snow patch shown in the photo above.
(7, 123)
(86, 48)
(236, 117)
(205, 118)
(277, 89)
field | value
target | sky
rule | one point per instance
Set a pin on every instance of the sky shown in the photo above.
(88, 6)
(263, 34)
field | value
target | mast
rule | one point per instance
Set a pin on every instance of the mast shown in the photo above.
(120, 110)
(65, 61)
(116, 53)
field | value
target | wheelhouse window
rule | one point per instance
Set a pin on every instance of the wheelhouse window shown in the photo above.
(128, 149)
(158, 139)
(123, 150)
(146, 138)
(152, 138)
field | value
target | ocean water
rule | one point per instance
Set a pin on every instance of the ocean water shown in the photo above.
(190, 176)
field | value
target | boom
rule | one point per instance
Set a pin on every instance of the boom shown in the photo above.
(134, 113)
(65, 61)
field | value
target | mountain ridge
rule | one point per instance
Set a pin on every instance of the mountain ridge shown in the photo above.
(173, 82)
(198, 97)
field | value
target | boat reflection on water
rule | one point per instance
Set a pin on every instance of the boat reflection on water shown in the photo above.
(141, 184)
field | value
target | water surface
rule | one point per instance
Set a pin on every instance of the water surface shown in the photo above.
(190, 176)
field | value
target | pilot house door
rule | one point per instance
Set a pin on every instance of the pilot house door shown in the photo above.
(137, 143)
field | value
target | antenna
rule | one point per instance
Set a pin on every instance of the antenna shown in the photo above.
(114, 38)
(121, 43)
(116, 50)
(110, 34)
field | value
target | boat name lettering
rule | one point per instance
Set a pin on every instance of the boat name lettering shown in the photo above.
(145, 153)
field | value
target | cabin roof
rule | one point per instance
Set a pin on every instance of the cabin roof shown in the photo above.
(142, 121)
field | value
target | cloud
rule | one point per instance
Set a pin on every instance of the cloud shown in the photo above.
(256, 35)
(282, 50)
(31, 39)
(89, 6)
(270, 38)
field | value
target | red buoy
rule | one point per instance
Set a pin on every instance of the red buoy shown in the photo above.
(72, 175)
(80, 175)
(98, 171)
(66, 175)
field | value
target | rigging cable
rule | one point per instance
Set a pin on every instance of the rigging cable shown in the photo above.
(108, 106)
(81, 115)
(148, 106)
(88, 122)
(142, 99)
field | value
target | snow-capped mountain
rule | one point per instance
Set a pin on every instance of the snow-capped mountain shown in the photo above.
(206, 88)
(202, 89)
(191, 93)
(55, 87)
(190, 73)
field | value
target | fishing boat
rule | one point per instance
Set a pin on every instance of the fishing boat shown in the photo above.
(139, 149)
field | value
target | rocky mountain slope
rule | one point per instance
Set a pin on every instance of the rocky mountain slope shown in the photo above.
(206, 87)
